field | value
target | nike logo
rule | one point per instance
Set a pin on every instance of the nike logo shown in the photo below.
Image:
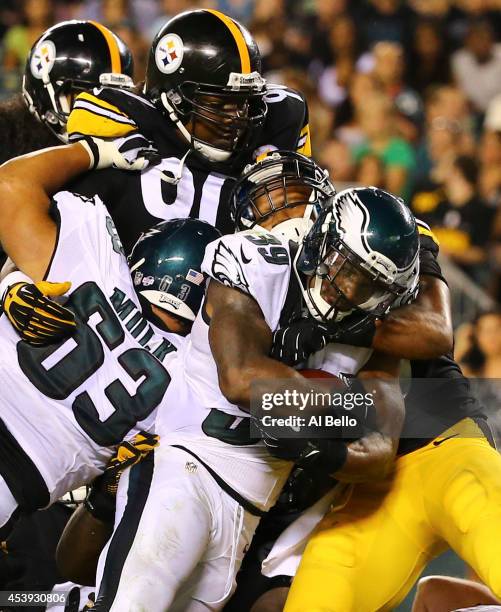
(245, 260)
(438, 442)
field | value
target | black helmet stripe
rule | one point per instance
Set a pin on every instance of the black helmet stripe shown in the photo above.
(116, 64)
(240, 41)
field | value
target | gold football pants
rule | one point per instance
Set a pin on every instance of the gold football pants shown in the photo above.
(367, 556)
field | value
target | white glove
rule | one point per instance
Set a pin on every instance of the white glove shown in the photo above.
(132, 153)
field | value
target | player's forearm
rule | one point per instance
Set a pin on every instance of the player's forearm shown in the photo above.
(372, 457)
(47, 170)
(421, 330)
(27, 232)
(236, 382)
(80, 545)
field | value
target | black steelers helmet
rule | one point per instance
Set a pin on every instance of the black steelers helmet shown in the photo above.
(72, 56)
(204, 73)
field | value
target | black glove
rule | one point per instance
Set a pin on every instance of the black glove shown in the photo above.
(36, 318)
(357, 329)
(294, 343)
(325, 455)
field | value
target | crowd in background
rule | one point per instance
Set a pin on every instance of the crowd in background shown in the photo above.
(402, 95)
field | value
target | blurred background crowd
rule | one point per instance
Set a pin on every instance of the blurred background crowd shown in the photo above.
(404, 95)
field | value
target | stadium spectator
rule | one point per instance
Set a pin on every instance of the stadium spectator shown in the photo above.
(345, 57)
(336, 157)
(389, 69)
(441, 145)
(428, 62)
(370, 171)
(490, 155)
(347, 120)
(478, 347)
(37, 16)
(378, 124)
(434, 9)
(325, 12)
(385, 20)
(477, 66)
(462, 221)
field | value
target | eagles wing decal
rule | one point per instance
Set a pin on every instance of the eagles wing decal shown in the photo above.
(350, 213)
(227, 269)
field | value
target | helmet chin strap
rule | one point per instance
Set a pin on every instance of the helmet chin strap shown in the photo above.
(208, 151)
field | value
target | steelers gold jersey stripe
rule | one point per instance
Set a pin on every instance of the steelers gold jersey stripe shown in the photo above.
(86, 123)
(92, 116)
(239, 39)
(304, 143)
(90, 98)
(427, 232)
(116, 64)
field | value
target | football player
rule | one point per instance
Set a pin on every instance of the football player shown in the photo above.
(208, 111)
(273, 191)
(105, 382)
(70, 57)
(187, 98)
(421, 330)
(209, 482)
(410, 516)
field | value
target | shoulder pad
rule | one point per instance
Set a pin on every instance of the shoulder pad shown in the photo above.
(93, 116)
(287, 124)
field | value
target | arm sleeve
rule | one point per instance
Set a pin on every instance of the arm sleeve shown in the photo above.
(287, 122)
(428, 252)
(87, 243)
(93, 116)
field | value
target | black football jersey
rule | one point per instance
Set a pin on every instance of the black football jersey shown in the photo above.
(439, 395)
(137, 201)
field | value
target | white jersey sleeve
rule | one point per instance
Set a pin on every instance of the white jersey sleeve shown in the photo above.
(255, 262)
(88, 245)
(339, 359)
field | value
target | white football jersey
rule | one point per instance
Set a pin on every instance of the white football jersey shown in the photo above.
(67, 404)
(196, 414)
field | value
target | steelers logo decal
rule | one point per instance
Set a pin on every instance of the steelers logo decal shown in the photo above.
(43, 59)
(169, 53)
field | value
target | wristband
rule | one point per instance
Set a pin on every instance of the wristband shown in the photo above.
(92, 150)
(326, 455)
